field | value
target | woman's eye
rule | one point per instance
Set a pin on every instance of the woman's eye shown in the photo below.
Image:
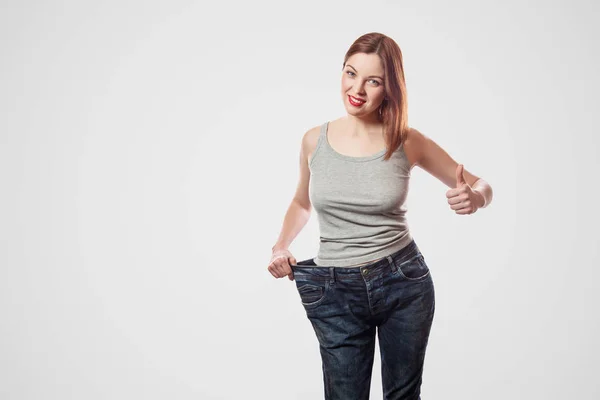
(372, 80)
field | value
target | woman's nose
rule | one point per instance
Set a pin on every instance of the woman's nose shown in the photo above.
(358, 88)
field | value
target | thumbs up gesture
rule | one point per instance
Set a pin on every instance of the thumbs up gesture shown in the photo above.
(462, 199)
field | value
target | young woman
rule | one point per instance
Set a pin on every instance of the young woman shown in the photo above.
(369, 274)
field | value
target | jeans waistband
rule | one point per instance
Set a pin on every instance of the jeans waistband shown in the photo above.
(405, 254)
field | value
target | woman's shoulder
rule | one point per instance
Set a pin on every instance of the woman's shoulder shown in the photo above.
(412, 132)
(413, 137)
(311, 136)
(413, 145)
(310, 140)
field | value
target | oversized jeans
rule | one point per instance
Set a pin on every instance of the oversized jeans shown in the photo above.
(345, 304)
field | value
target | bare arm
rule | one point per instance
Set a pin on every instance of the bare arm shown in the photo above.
(298, 212)
(436, 161)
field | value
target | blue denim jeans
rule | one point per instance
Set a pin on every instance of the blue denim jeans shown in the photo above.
(345, 305)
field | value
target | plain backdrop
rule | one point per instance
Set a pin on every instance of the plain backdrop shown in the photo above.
(149, 151)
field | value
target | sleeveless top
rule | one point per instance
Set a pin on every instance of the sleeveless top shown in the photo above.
(360, 204)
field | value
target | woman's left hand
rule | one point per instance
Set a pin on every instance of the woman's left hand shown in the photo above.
(463, 200)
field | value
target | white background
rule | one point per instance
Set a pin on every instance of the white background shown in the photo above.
(149, 152)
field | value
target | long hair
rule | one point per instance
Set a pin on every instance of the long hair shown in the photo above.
(393, 112)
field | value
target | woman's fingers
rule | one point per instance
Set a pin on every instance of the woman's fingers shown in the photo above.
(279, 268)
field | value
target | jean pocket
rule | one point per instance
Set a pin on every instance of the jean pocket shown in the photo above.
(311, 292)
(414, 269)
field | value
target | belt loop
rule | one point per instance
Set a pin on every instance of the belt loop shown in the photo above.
(392, 263)
(332, 274)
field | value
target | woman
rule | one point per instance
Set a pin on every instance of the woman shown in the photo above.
(369, 275)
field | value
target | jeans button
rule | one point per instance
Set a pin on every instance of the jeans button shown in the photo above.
(365, 271)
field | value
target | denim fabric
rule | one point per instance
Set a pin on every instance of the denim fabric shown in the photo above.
(345, 305)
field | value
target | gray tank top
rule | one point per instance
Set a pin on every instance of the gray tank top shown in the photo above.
(360, 204)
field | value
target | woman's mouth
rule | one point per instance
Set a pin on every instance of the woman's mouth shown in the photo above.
(356, 102)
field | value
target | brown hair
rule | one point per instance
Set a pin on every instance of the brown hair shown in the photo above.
(393, 112)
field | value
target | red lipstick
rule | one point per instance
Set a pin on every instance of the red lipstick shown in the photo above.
(355, 102)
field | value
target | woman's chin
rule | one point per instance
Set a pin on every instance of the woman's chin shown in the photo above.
(356, 111)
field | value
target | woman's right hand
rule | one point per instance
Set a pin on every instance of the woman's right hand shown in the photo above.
(279, 266)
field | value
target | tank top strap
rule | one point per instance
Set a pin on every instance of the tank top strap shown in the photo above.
(323, 130)
(321, 144)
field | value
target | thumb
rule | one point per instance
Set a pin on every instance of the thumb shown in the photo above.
(292, 261)
(460, 177)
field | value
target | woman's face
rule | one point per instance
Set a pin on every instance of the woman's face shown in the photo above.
(362, 78)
